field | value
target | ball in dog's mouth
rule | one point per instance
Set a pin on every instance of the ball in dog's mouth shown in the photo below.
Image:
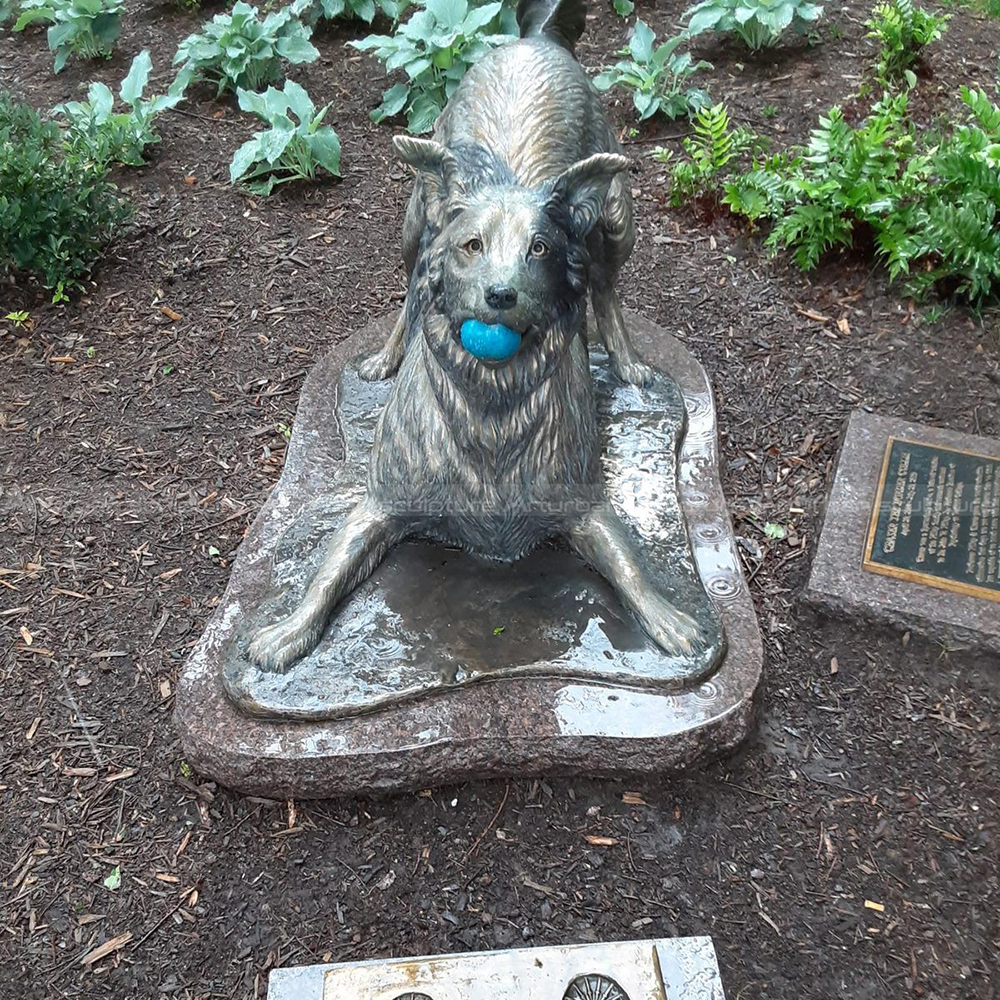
(490, 342)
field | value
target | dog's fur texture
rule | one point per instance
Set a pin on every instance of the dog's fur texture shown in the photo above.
(520, 205)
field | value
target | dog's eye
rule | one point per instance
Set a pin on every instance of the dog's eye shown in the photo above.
(539, 248)
(474, 246)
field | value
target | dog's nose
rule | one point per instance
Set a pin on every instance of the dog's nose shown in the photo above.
(501, 297)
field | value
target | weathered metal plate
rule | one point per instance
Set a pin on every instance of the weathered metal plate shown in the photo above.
(666, 969)
(936, 518)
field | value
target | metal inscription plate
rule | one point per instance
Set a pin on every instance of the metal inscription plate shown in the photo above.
(936, 519)
(666, 969)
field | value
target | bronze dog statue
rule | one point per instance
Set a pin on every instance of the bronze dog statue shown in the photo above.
(520, 206)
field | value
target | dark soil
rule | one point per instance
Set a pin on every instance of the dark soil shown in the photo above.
(136, 449)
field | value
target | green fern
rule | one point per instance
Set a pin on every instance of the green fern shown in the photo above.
(762, 191)
(903, 30)
(932, 203)
(711, 151)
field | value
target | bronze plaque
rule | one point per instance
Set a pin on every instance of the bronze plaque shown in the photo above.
(936, 519)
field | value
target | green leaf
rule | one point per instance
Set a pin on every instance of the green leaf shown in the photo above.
(114, 880)
(705, 17)
(394, 99)
(33, 15)
(450, 13)
(645, 104)
(138, 75)
(106, 28)
(641, 42)
(422, 114)
(479, 17)
(250, 100)
(325, 146)
(245, 156)
(274, 142)
(297, 48)
(773, 530)
(102, 100)
(299, 102)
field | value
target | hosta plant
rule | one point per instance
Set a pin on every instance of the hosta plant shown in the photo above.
(122, 136)
(349, 10)
(712, 152)
(903, 30)
(294, 148)
(84, 28)
(657, 75)
(240, 50)
(57, 207)
(757, 23)
(434, 48)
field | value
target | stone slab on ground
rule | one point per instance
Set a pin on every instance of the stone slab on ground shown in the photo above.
(927, 558)
(520, 725)
(666, 969)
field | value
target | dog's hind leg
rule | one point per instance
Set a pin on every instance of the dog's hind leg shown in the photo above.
(626, 362)
(601, 539)
(385, 363)
(352, 553)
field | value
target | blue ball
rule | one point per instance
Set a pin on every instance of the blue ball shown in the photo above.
(490, 343)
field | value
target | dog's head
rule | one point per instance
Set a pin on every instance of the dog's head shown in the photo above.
(503, 253)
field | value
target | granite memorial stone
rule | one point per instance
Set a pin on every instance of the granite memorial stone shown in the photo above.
(911, 531)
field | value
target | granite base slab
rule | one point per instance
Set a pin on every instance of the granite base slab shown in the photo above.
(665, 969)
(519, 725)
(838, 581)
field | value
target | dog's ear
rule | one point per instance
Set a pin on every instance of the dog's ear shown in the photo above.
(582, 189)
(433, 160)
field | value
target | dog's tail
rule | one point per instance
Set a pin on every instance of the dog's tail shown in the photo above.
(562, 21)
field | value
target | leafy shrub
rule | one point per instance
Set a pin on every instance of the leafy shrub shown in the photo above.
(122, 137)
(84, 28)
(712, 151)
(57, 207)
(434, 47)
(238, 50)
(845, 176)
(902, 30)
(932, 205)
(288, 151)
(757, 23)
(355, 10)
(656, 76)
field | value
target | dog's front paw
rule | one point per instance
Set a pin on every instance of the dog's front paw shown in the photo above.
(672, 630)
(378, 366)
(277, 646)
(633, 371)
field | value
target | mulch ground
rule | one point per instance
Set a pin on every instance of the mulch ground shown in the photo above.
(851, 850)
